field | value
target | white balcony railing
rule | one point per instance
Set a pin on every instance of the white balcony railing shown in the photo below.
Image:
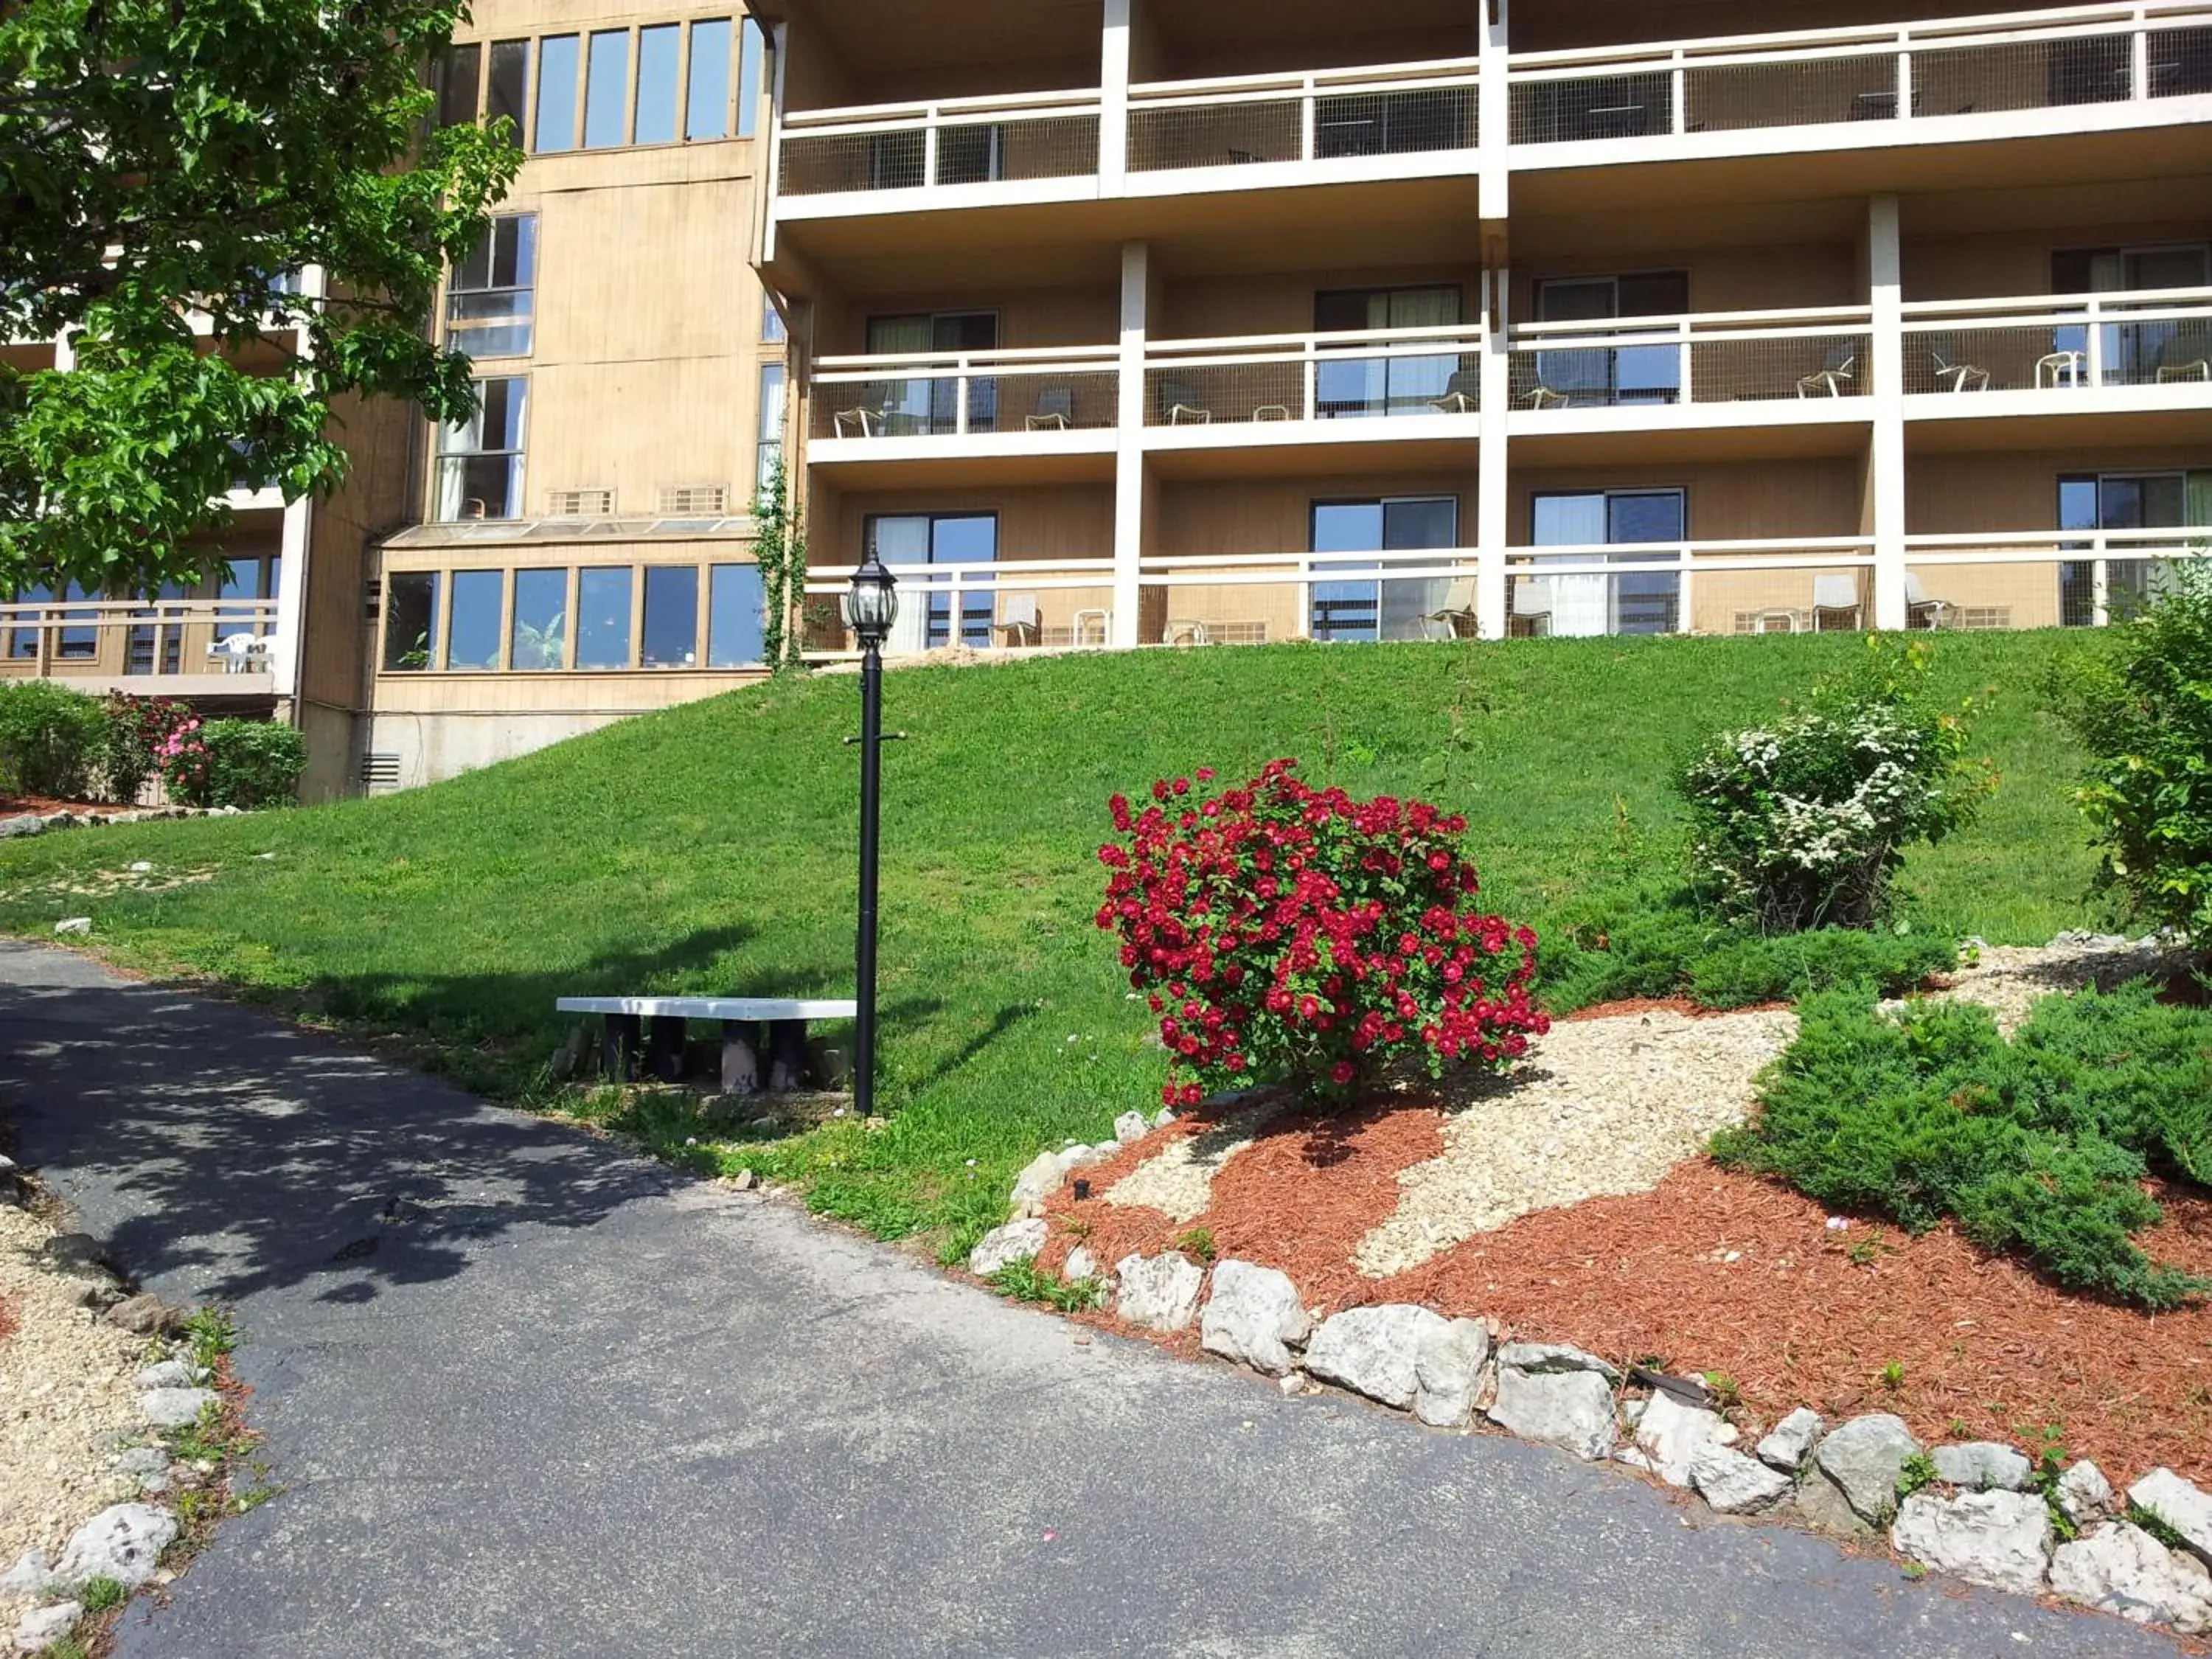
(964, 394)
(1401, 109)
(955, 140)
(1314, 377)
(1959, 66)
(1714, 357)
(64, 637)
(2072, 342)
(2082, 578)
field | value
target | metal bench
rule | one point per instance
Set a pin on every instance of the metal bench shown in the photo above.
(660, 1022)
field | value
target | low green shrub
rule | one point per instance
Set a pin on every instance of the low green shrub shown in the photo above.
(1803, 822)
(49, 739)
(1661, 945)
(2036, 1146)
(2141, 701)
(242, 763)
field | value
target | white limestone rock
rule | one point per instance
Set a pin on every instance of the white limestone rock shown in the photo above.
(1551, 1359)
(28, 1576)
(1081, 1264)
(1017, 1240)
(1864, 1458)
(1039, 1180)
(1670, 1434)
(2180, 1505)
(1448, 1369)
(1159, 1292)
(1130, 1125)
(1254, 1316)
(1792, 1440)
(2122, 1569)
(173, 1408)
(1982, 1466)
(123, 1543)
(2084, 1493)
(1998, 1539)
(1570, 1409)
(1734, 1483)
(41, 1628)
(74, 924)
(1374, 1351)
(169, 1374)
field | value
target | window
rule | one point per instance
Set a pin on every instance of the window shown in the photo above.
(1647, 602)
(253, 580)
(1608, 375)
(671, 634)
(1364, 386)
(460, 71)
(480, 459)
(1376, 608)
(751, 51)
(76, 644)
(962, 539)
(773, 331)
(606, 87)
(911, 407)
(539, 638)
(410, 620)
(602, 618)
(737, 604)
(2134, 353)
(506, 95)
(2092, 592)
(158, 647)
(479, 597)
(490, 301)
(556, 93)
(654, 122)
(769, 448)
(707, 100)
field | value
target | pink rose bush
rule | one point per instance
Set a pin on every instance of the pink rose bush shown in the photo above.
(1286, 934)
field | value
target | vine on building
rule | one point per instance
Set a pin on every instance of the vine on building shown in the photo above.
(780, 548)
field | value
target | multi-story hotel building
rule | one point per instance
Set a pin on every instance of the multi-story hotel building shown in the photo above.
(1123, 323)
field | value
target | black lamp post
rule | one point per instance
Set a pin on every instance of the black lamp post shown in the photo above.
(871, 607)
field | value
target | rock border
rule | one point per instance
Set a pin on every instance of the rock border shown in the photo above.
(14, 825)
(1981, 1511)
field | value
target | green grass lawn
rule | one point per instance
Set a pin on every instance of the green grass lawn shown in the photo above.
(711, 849)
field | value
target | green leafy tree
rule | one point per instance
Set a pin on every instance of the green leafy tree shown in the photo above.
(164, 164)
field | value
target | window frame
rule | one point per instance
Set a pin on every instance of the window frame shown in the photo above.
(516, 454)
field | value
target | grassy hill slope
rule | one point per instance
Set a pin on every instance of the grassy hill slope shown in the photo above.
(711, 848)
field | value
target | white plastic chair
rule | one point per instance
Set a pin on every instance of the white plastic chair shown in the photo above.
(1835, 597)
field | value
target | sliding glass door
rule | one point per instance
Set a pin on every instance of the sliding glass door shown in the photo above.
(1605, 375)
(1639, 601)
(925, 619)
(2091, 591)
(2134, 353)
(1376, 607)
(1357, 388)
(927, 408)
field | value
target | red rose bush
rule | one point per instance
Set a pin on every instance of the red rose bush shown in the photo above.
(1286, 934)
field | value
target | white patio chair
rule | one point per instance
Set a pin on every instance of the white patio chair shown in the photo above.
(1832, 377)
(1462, 393)
(1186, 632)
(1019, 621)
(2061, 369)
(1836, 603)
(1921, 610)
(240, 653)
(1962, 377)
(1055, 409)
(1456, 618)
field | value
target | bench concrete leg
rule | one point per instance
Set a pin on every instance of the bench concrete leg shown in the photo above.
(664, 1049)
(786, 1055)
(741, 1070)
(617, 1047)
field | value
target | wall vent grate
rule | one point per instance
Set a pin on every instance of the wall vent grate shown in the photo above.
(380, 771)
(580, 504)
(695, 501)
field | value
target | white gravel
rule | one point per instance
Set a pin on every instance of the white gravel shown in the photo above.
(1178, 1182)
(2008, 978)
(67, 1401)
(1601, 1106)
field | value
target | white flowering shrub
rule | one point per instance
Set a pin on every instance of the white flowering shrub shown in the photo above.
(1803, 823)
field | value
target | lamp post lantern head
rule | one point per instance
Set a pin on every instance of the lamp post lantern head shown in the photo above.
(871, 603)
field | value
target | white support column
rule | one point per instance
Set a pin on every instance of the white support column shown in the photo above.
(1129, 459)
(1114, 99)
(1493, 110)
(1493, 476)
(288, 647)
(64, 353)
(1886, 461)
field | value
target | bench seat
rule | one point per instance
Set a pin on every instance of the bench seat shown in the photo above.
(660, 1022)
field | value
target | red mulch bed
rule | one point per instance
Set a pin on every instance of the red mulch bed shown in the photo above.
(44, 804)
(1988, 1350)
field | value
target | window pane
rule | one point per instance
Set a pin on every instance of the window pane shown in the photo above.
(706, 107)
(458, 71)
(410, 620)
(605, 86)
(474, 642)
(510, 81)
(655, 121)
(541, 620)
(556, 93)
(748, 79)
(771, 433)
(479, 487)
(1656, 516)
(736, 604)
(772, 329)
(1347, 528)
(672, 615)
(602, 618)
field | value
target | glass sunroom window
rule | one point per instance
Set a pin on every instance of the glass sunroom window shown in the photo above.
(672, 615)
(410, 620)
(538, 641)
(479, 597)
(736, 606)
(603, 617)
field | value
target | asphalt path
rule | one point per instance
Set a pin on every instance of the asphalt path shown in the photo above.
(526, 1395)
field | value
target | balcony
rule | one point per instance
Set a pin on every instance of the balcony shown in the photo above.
(2106, 353)
(1989, 76)
(166, 647)
(967, 152)
(1009, 406)
(1390, 384)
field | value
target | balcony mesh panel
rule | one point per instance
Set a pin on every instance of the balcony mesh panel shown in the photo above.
(1345, 388)
(1721, 371)
(2022, 75)
(1593, 106)
(1029, 400)
(836, 162)
(988, 152)
(2181, 62)
(1215, 136)
(2056, 357)
(1786, 601)
(1738, 97)
(1395, 123)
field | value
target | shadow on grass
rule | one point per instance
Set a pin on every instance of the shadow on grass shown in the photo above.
(222, 1153)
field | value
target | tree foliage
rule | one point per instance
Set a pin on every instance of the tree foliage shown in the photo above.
(162, 164)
